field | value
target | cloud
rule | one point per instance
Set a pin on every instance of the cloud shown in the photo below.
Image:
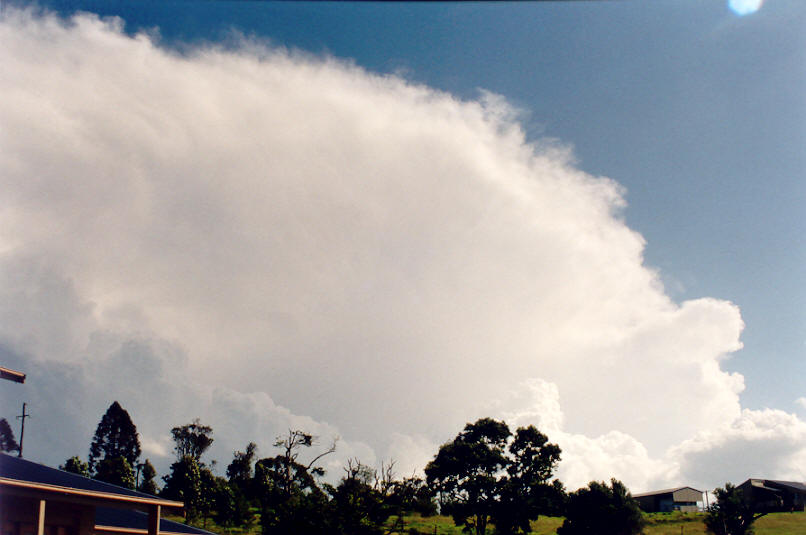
(269, 240)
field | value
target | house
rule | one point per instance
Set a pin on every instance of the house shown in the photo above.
(770, 495)
(39, 500)
(683, 499)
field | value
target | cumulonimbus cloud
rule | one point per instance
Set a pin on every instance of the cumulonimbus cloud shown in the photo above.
(269, 240)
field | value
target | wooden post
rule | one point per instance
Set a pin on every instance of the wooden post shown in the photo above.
(154, 520)
(40, 519)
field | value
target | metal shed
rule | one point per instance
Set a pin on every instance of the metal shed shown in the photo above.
(683, 499)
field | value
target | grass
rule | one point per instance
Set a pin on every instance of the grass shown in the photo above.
(657, 524)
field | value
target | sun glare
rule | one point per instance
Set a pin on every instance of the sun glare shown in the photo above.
(745, 7)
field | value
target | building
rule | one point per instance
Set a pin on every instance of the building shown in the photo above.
(39, 500)
(770, 495)
(683, 499)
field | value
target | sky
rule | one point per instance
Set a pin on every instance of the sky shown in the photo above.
(380, 221)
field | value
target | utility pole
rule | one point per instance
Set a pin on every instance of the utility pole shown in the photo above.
(22, 417)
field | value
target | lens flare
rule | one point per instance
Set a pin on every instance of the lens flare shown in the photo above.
(745, 7)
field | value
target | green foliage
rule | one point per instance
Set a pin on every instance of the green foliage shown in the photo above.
(192, 440)
(359, 504)
(116, 436)
(482, 477)
(147, 475)
(731, 514)
(75, 465)
(115, 470)
(291, 500)
(7, 440)
(239, 471)
(188, 483)
(603, 510)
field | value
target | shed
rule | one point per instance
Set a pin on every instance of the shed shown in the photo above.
(683, 499)
(769, 495)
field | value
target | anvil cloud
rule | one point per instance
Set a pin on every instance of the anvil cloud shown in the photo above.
(266, 240)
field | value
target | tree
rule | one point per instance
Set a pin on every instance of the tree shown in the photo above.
(483, 477)
(116, 471)
(731, 514)
(7, 441)
(115, 436)
(524, 493)
(192, 440)
(184, 483)
(239, 471)
(75, 465)
(189, 479)
(360, 504)
(291, 500)
(147, 483)
(603, 510)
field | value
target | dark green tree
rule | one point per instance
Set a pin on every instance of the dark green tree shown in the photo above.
(731, 514)
(115, 436)
(239, 471)
(291, 500)
(524, 490)
(75, 465)
(184, 483)
(486, 476)
(231, 505)
(115, 470)
(603, 510)
(7, 440)
(147, 481)
(192, 440)
(466, 471)
(359, 504)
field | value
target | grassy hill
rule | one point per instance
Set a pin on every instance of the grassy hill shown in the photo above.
(657, 524)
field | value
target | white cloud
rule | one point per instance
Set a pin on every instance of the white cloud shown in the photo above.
(266, 241)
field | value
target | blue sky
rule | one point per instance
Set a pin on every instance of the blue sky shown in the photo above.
(697, 112)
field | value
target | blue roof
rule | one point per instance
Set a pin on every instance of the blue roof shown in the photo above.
(127, 518)
(17, 468)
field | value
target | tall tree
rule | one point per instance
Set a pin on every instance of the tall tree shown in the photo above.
(7, 441)
(115, 436)
(603, 510)
(524, 490)
(192, 440)
(485, 475)
(731, 514)
(465, 473)
(291, 500)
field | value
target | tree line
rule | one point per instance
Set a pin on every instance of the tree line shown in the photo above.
(488, 479)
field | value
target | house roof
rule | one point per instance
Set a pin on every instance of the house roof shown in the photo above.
(111, 520)
(18, 473)
(11, 375)
(665, 491)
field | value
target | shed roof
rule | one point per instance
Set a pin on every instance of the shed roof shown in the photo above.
(19, 473)
(665, 491)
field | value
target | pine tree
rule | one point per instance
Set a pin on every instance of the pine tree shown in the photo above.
(116, 436)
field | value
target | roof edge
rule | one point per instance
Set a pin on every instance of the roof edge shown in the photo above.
(17, 483)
